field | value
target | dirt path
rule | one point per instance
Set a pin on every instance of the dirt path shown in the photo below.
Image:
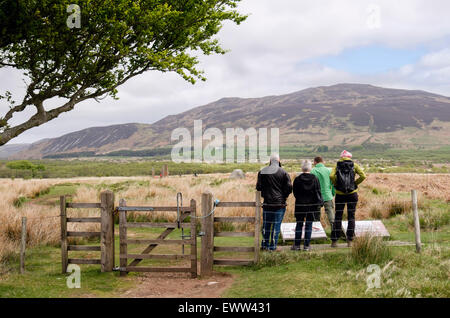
(179, 285)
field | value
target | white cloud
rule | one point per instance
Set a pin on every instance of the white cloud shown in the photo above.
(430, 73)
(270, 54)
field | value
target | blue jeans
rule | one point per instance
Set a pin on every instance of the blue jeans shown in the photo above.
(271, 228)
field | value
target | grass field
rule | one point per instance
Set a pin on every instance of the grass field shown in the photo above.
(284, 274)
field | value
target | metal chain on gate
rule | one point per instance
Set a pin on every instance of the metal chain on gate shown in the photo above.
(216, 202)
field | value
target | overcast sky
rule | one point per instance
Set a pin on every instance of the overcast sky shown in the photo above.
(285, 46)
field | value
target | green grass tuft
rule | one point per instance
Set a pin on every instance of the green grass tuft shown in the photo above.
(370, 249)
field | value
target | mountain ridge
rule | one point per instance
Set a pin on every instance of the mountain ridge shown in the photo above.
(341, 114)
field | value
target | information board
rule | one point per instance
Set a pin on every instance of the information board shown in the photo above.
(375, 228)
(288, 231)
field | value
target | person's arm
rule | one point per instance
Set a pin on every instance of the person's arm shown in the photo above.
(295, 187)
(288, 186)
(361, 174)
(318, 191)
(333, 175)
(315, 172)
(258, 182)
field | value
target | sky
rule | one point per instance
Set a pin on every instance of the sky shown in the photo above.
(284, 46)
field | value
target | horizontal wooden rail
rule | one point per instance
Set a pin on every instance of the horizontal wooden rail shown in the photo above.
(156, 256)
(156, 225)
(236, 262)
(239, 249)
(84, 261)
(83, 234)
(235, 204)
(161, 242)
(84, 220)
(153, 208)
(155, 269)
(234, 234)
(83, 205)
(83, 248)
(234, 219)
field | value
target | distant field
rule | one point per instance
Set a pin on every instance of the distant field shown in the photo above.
(407, 162)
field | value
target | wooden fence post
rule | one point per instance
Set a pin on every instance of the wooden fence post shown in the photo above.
(207, 255)
(107, 231)
(23, 244)
(194, 239)
(123, 237)
(257, 225)
(64, 253)
(416, 220)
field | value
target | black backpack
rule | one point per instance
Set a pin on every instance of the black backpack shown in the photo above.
(345, 176)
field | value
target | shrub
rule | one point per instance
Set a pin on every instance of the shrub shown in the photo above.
(432, 219)
(376, 213)
(376, 191)
(369, 249)
(19, 201)
(40, 193)
(217, 182)
(396, 208)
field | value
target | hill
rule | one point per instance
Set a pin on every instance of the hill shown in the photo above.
(338, 115)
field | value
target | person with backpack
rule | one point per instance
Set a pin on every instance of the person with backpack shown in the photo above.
(275, 186)
(326, 187)
(343, 178)
(308, 200)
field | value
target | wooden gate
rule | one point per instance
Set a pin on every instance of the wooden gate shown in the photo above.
(106, 234)
(129, 262)
(208, 246)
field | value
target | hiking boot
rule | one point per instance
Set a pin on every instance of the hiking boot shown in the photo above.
(307, 248)
(349, 243)
(334, 244)
(295, 248)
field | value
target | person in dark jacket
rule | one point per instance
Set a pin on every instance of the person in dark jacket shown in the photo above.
(308, 201)
(275, 186)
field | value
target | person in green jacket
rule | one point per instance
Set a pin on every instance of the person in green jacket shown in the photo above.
(326, 187)
(343, 178)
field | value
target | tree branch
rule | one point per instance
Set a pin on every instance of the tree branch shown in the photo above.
(41, 117)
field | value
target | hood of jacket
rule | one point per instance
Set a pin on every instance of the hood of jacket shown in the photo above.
(307, 181)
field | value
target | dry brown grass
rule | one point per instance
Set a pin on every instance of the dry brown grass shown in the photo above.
(391, 190)
(433, 186)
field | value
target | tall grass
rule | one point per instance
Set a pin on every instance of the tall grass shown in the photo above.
(25, 198)
(369, 249)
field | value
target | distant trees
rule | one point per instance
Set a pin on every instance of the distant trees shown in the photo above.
(322, 149)
(25, 165)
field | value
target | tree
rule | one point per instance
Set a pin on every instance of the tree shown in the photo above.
(25, 165)
(117, 40)
(322, 148)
